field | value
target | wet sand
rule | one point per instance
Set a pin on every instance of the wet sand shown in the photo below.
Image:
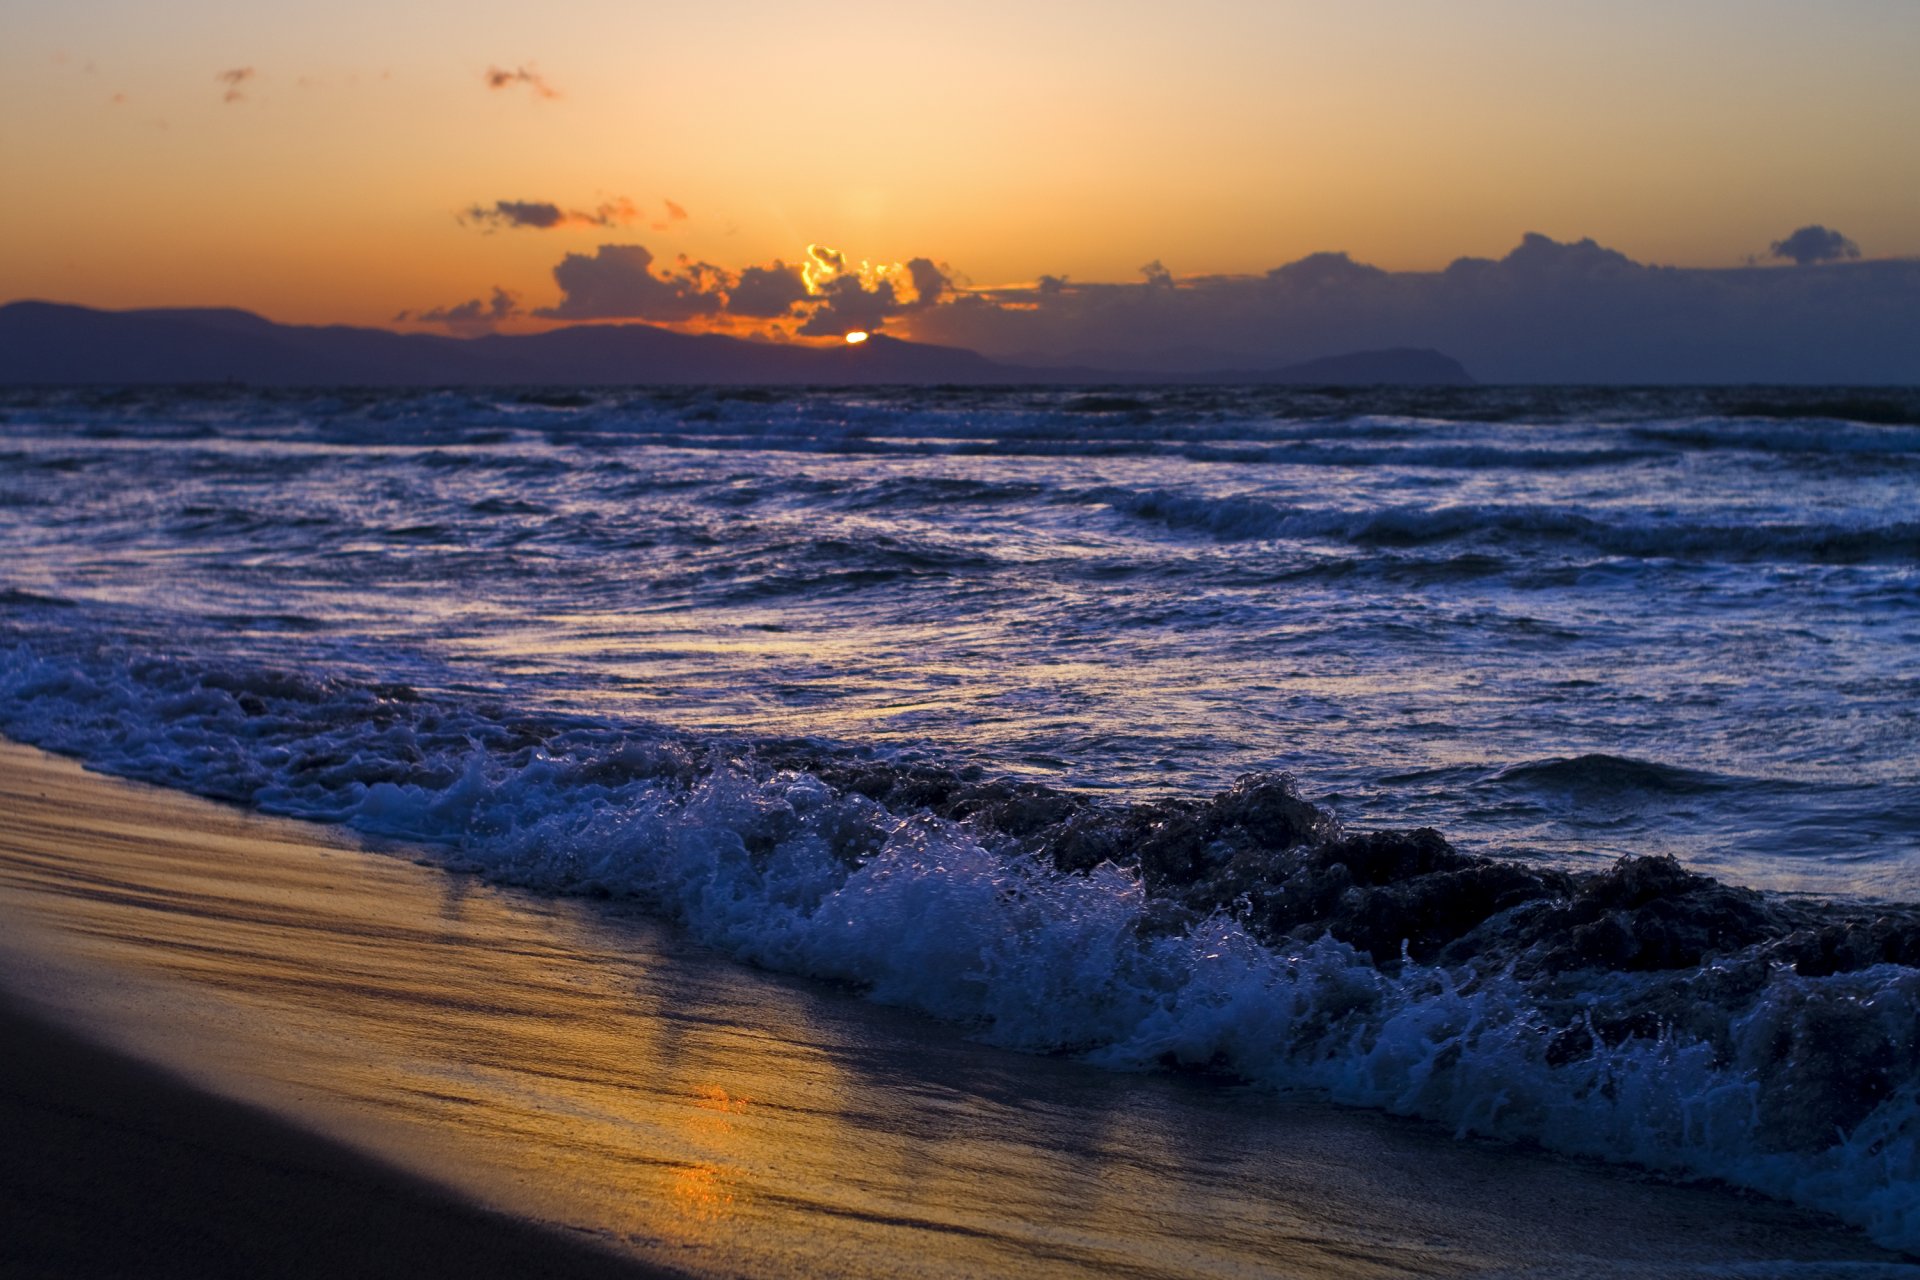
(565, 1073)
(113, 1168)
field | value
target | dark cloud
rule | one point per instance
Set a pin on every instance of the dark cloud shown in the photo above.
(470, 317)
(233, 79)
(848, 304)
(501, 78)
(847, 298)
(767, 293)
(518, 213)
(826, 293)
(1539, 256)
(1324, 272)
(1549, 311)
(930, 283)
(618, 283)
(1815, 244)
(543, 215)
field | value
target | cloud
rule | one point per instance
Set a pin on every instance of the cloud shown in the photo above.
(674, 213)
(471, 317)
(1324, 272)
(826, 293)
(848, 304)
(1549, 311)
(543, 215)
(848, 297)
(501, 78)
(1813, 244)
(930, 283)
(233, 79)
(618, 283)
(1539, 256)
(519, 213)
(766, 293)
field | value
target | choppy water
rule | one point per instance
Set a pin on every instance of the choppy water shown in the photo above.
(645, 643)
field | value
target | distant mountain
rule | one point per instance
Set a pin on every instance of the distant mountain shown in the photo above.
(51, 343)
(1398, 367)
(44, 343)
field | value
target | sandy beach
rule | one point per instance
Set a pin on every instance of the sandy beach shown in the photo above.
(245, 1045)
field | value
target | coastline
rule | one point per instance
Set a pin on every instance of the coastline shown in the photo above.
(549, 1062)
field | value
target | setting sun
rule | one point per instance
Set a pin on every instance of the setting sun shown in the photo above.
(857, 337)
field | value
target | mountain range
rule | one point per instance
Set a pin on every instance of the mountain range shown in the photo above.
(45, 343)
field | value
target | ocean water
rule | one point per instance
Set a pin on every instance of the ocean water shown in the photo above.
(1064, 714)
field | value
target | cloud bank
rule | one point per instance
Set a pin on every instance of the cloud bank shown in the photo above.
(825, 295)
(1546, 312)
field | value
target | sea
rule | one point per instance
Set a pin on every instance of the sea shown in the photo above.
(1540, 762)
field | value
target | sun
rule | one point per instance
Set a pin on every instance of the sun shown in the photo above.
(857, 337)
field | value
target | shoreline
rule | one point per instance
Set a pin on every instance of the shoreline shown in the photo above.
(599, 1079)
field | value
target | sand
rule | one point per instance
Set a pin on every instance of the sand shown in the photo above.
(113, 1168)
(320, 1057)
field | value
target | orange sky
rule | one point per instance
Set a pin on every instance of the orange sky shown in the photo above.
(1004, 140)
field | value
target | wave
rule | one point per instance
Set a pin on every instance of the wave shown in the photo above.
(1607, 774)
(20, 597)
(1487, 428)
(1642, 1013)
(1247, 517)
(1820, 434)
(914, 492)
(1459, 457)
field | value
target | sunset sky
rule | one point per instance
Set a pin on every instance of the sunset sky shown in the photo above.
(347, 161)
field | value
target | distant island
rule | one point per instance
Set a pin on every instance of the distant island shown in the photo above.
(45, 343)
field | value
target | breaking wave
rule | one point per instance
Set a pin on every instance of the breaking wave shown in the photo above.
(1641, 1013)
